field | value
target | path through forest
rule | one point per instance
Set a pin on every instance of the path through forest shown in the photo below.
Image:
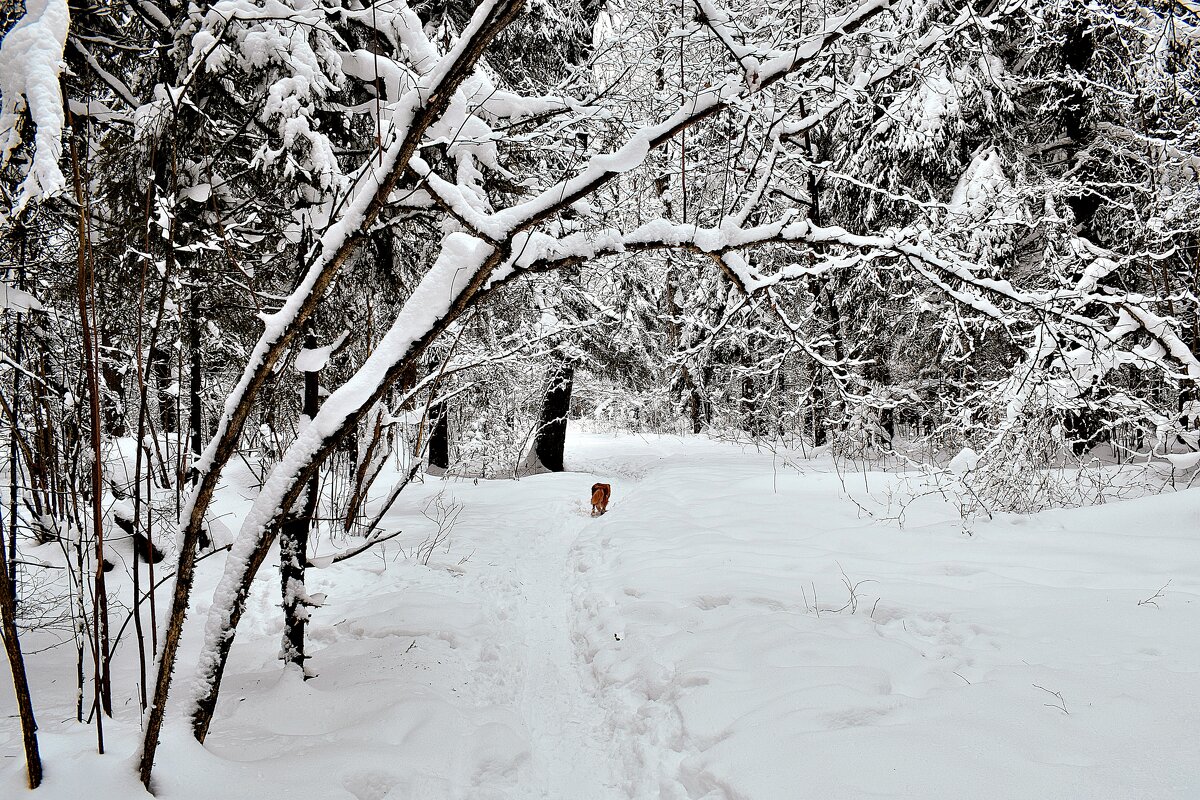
(573, 752)
(735, 628)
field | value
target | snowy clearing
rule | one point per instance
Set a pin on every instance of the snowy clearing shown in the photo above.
(732, 628)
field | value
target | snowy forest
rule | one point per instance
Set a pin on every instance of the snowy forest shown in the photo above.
(322, 320)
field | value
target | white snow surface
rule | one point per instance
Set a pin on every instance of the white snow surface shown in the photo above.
(964, 462)
(701, 640)
(17, 300)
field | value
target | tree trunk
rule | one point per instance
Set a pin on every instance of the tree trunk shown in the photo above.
(293, 541)
(750, 403)
(85, 290)
(820, 412)
(113, 402)
(439, 439)
(825, 404)
(196, 375)
(14, 443)
(160, 367)
(12, 645)
(695, 402)
(1087, 427)
(551, 438)
(271, 346)
(195, 390)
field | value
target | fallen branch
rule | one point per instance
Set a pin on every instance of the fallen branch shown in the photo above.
(321, 562)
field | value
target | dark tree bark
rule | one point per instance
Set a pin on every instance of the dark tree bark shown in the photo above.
(826, 404)
(114, 382)
(707, 372)
(1087, 427)
(86, 296)
(686, 384)
(160, 368)
(12, 646)
(293, 541)
(551, 438)
(696, 403)
(195, 375)
(887, 421)
(195, 388)
(439, 437)
(819, 413)
(14, 441)
(750, 403)
(408, 379)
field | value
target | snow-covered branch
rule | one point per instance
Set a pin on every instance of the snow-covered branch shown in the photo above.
(30, 64)
(412, 116)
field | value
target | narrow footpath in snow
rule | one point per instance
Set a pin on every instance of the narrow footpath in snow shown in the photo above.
(572, 747)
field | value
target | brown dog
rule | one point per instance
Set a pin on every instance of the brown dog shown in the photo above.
(600, 494)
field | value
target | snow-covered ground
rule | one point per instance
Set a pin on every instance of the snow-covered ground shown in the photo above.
(733, 628)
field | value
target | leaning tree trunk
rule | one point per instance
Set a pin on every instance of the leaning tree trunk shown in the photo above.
(12, 645)
(338, 247)
(293, 540)
(551, 438)
(427, 314)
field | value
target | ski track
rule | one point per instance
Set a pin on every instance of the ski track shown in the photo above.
(571, 741)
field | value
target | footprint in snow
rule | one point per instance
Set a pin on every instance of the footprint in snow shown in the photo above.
(369, 784)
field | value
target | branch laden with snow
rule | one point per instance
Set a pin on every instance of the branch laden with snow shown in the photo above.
(467, 266)
(411, 117)
(30, 65)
